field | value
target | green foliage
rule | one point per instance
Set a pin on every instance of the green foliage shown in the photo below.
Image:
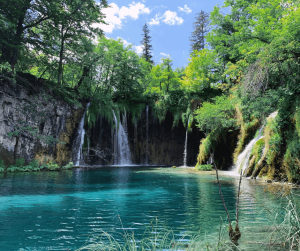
(34, 166)
(52, 166)
(257, 150)
(204, 167)
(201, 71)
(2, 166)
(201, 27)
(259, 106)
(68, 166)
(292, 156)
(19, 162)
(34, 163)
(206, 147)
(273, 140)
(216, 116)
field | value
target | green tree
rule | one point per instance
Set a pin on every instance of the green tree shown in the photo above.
(201, 28)
(147, 47)
(217, 115)
(202, 71)
(45, 26)
(163, 78)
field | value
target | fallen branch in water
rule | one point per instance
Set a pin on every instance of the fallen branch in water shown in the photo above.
(236, 234)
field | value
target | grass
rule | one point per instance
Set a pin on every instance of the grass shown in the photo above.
(159, 238)
(288, 231)
(204, 167)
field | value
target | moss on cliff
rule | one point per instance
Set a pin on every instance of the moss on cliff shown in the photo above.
(247, 131)
(63, 153)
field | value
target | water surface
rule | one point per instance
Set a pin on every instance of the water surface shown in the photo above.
(68, 209)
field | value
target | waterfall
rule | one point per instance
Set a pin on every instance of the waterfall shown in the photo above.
(147, 132)
(122, 152)
(243, 158)
(80, 138)
(125, 122)
(135, 137)
(185, 144)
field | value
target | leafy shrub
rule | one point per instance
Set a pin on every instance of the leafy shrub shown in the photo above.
(68, 166)
(218, 115)
(52, 166)
(20, 162)
(14, 169)
(2, 167)
(34, 163)
(204, 167)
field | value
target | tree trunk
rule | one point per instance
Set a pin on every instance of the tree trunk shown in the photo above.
(18, 36)
(85, 73)
(61, 54)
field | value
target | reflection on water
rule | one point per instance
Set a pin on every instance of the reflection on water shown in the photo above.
(65, 210)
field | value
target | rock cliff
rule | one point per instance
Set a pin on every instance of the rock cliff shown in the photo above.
(47, 115)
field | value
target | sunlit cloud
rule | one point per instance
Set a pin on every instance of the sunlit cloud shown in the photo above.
(115, 15)
(169, 17)
(185, 9)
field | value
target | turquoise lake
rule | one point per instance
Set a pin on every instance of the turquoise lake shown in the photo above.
(68, 209)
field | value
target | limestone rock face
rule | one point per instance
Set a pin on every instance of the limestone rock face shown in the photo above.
(60, 120)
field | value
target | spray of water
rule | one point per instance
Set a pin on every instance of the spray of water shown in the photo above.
(80, 139)
(185, 144)
(122, 154)
(243, 159)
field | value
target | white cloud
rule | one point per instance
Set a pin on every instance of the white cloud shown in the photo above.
(115, 15)
(169, 17)
(165, 55)
(134, 10)
(185, 9)
(155, 20)
(138, 49)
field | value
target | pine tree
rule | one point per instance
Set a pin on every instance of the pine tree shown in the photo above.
(201, 28)
(147, 47)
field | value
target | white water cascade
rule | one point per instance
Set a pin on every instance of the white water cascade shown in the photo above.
(122, 154)
(147, 132)
(185, 144)
(243, 159)
(80, 138)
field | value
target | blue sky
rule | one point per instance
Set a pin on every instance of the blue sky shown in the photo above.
(170, 23)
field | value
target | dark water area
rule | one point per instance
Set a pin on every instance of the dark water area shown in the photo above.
(68, 209)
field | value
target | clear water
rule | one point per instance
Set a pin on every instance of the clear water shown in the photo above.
(65, 210)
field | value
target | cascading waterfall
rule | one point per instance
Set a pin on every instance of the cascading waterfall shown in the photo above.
(147, 132)
(121, 147)
(80, 138)
(135, 135)
(185, 144)
(243, 158)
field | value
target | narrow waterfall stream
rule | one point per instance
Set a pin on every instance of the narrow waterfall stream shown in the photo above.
(147, 133)
(185, 144)
(122, 154)
(80, 138)
(243, 158)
